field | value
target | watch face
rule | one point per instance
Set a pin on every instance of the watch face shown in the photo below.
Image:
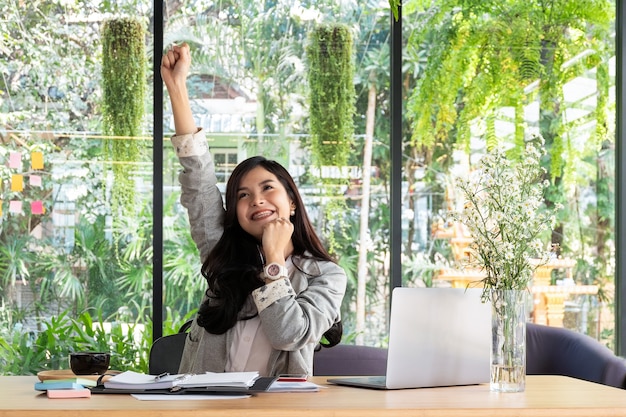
(273, 270)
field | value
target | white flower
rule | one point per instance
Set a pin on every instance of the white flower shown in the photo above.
(505, 214)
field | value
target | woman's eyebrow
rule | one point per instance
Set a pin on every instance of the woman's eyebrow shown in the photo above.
(267, 181)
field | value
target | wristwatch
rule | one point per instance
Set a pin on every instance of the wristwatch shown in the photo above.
(275, 271)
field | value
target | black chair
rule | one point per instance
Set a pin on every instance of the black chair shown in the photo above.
(560, 351)
(350, 360)
(167, 351)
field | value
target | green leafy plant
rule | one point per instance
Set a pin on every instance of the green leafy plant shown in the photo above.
(123, 91)
(394, 5)
(332, 108)
(332, 95)
(26, 353)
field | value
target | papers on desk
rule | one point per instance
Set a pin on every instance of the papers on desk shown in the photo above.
(138, 381)
(277, 386)
(210, 383)
(292, 386)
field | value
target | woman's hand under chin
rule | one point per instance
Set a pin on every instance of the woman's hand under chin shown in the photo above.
(276, 240)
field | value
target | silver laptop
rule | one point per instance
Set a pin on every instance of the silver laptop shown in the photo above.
(437, 337)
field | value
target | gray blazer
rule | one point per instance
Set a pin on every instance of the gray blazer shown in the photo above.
(293, 323)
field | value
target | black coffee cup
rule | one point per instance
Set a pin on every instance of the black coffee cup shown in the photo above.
(89, 363)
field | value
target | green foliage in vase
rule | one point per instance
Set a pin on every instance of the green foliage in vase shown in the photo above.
(332, 96)
(504, 213)
(123, 91)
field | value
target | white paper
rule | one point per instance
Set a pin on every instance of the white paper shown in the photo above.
(185, 397)
(292, 386)
(219, 379)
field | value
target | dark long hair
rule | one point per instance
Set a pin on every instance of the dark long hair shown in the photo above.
(232, 268)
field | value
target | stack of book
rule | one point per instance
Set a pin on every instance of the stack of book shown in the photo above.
(66, 388)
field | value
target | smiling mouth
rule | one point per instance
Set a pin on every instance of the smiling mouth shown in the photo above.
(262, 215)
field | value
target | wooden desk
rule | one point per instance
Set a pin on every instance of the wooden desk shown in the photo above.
(549, 396)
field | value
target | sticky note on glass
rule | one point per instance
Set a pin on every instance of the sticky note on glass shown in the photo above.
(36, 207)
(35, 180)
(15, 206)
(17, 182)
(15, 160)
(36, 160)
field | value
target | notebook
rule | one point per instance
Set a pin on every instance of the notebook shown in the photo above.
(138, 381)
(437, 337)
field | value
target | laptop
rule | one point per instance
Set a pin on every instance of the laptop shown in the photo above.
(437, 337)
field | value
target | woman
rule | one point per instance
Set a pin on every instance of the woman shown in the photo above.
(273, 290)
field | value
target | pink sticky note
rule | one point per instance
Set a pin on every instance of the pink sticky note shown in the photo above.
(69, 393)
(36, 207)
(15, 206)
(35, 180)
(36, 160)
(15, 160)
(17, 182)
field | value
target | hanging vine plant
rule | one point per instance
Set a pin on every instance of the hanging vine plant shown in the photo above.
(124, 82)
(330, 75)
(332, 108)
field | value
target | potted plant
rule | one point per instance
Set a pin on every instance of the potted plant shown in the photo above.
(505, 215)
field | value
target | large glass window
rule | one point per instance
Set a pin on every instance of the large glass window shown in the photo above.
(76, 208)
(76, 228)
(499, 74)
(250, 93)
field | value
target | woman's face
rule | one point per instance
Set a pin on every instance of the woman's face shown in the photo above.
(261, 198)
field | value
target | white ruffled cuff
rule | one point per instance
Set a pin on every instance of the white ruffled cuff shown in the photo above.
(271, 292)
(193, 144)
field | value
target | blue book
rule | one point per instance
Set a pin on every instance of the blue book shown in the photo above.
(85, 382)
(45, 386)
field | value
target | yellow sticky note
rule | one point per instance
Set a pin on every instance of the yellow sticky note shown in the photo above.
(17, 182)
(36, 160)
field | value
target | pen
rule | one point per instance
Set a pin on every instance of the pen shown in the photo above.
(163, 375)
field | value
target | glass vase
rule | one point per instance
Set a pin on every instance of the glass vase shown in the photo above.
(508, 344)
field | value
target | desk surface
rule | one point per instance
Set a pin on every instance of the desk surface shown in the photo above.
(550, 396)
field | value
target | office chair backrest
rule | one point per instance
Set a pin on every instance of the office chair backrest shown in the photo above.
(560, 351)
(349, 360)
(165, 354)
(167, 351)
